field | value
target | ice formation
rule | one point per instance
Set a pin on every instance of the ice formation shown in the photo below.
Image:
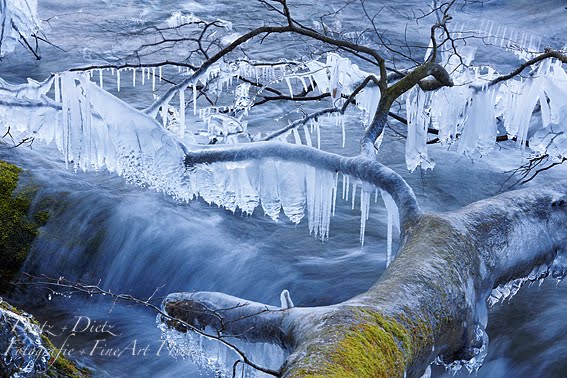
(469, 111)
(473, 364)
(95, 130)
(557, 269)
(23, 352)
(212, 356)
(332, 75)
(19, 19)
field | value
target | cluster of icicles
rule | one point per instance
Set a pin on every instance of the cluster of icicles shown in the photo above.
(335, 75)
(557, 269)
(18, 19)
(473, 110)
(95, 131)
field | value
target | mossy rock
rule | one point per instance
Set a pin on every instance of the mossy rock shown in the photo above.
(18, 228)
(59, 366)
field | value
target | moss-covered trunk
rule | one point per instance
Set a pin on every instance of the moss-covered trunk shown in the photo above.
(430, 303)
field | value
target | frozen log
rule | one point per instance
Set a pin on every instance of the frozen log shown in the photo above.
(430, 303)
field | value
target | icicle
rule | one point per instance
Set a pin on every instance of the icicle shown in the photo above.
(57, 97)
(318, 135)
(57, 88)
(181, 112)
(319, 185)
(418, 122)
(496, 36)
(133, 77)
(64, 136)
(160, 74)
(194, 98)
(153, 79)
(344, 131)
(393, 220)
(307, 136)
(490, 30)
(296, 136)
(389, 240)
(335, 192)
(354, 187)
(100, 78)
(503, 36)
(364, 210)
(143, 76)
(269, 193)
(303, 83)
(291, 188)
(287, 80)
(118, 80)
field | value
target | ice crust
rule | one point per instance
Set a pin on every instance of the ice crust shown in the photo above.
(19, 19)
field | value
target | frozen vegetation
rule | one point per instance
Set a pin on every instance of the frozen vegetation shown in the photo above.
(19, 21)
(187, 147)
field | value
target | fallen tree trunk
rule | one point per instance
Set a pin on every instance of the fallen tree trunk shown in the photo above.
(431, 301)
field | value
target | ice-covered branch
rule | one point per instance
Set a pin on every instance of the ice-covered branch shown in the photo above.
(193, 314)
(351, 98)
(299, 122)
(546, 55)
(122, 66)
(417, 76)
(267, 30)
(230, 316)
(18, 21)
(359, 167)
(430, 304)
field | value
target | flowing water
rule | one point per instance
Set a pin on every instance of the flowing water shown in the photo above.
(131, 240)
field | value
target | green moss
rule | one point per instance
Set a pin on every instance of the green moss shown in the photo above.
(373, 346)
(59, 366)
(17, 228)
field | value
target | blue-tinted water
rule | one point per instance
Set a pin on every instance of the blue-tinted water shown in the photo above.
(135, 241)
